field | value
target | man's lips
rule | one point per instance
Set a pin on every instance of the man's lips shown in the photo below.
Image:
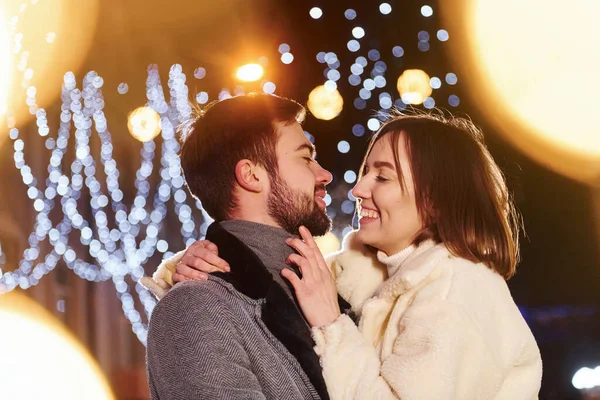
(320, 198)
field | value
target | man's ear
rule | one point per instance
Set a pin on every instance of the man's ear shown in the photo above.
(250, 176)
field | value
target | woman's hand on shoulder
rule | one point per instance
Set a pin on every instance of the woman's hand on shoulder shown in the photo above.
(200, 259)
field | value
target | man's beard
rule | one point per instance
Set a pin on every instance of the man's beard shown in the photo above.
(293, 208)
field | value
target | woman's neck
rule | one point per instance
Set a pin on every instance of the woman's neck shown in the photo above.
(394, 261)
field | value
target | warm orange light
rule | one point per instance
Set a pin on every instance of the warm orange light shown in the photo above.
(413, 86)
(324, 103)
(144, 124)
(5, 63)
(43, 360)
(535, 83)
(250, 72)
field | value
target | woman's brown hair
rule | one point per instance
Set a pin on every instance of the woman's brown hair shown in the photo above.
(461, 194)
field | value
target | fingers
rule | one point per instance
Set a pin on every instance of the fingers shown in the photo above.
(292, 277)
(307, 237)
(308, 248)
(189, 272)
(210, 246)
(179, 278)
(300, 246)
(205, 260)
(303, 264)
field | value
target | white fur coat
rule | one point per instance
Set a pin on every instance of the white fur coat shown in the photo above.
(440, 328)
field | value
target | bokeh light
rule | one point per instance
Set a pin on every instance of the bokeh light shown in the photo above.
(144, 124)
(50, 364)
(328, 243)
(586, 378)
(324, 103)
(385, 8)
(5, 64)
(426, 11)
(316, 13)
(343, 147)
(535, 83)
(55, 38)
(250, 72)
(413, 86)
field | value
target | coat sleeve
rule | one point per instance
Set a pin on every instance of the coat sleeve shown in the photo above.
(195, 351)
(439, 353)
(162, 279)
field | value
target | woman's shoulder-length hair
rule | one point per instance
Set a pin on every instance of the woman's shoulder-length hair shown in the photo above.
(460, 192)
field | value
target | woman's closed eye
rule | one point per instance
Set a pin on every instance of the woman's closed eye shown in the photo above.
(380, 178)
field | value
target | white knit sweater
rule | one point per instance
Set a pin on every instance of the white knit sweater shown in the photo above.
(440, 327)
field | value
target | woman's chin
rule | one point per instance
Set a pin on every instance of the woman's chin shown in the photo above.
(366, 238)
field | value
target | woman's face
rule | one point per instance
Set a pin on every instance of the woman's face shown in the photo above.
(388, 215)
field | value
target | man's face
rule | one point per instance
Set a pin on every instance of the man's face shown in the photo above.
(296, 194)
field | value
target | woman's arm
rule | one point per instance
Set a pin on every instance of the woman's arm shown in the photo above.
(193, 263)
(439, 354)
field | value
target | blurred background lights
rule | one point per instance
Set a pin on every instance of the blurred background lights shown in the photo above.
(453, 100)
(122, 88)
(284, 48)
(413, 86)
(385, 8)
(398, 51)
(202, 98)
(451, 78)
(269, 87)
(325, 104)
(586, 378)
(328, 243)
(442, 35)
(343, 146)
(350, 14)
(287, 58)
(51, 364)
(426, 11)
(373, 124)
(536, 84)
(358, 32)
(5, 64)
(50, 37)
(199, 73)
(353, 45)
(250, 72)
(350, 176)
(316, 12)
(144, 124)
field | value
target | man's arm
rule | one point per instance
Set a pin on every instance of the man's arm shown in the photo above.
(194, 349)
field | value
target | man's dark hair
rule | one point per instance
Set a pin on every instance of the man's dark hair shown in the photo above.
(227, 131)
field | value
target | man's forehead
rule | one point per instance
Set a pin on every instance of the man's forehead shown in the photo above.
(293, 136)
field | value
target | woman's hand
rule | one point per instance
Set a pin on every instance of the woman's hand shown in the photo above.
(316, 291)
(201, 258)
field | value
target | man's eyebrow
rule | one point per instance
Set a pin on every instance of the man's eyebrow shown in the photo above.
(310, 147)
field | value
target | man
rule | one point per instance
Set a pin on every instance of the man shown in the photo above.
(240, 334)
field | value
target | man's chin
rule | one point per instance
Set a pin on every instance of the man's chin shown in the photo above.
(319, 225)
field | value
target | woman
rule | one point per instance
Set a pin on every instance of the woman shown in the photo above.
(440, 321)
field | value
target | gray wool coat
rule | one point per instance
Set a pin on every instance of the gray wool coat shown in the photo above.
(234, 336)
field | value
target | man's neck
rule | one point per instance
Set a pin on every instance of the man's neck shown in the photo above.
(267, 242)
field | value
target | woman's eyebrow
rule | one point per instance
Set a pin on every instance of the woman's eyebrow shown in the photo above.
(383, 164)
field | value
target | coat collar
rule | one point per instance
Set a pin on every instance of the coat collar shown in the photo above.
(281, 316)
(417, 267)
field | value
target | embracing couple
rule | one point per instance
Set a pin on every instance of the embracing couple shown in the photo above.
(414, 306)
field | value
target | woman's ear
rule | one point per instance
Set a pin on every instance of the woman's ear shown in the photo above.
(250, 176)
